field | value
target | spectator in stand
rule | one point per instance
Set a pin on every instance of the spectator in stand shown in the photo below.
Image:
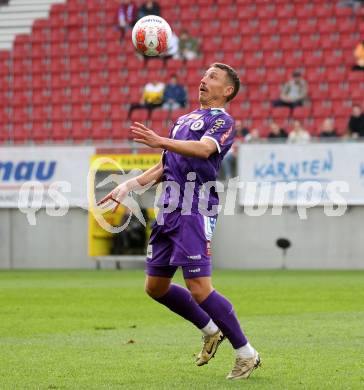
(152, 98)
(127, 16)
(294, 92)
(359, 57)
(253, 136)
(172, 51)
(276, 132)
(328, 129)
(356, 122)
(149, 8)
(298, 135)
(229, 162)
(188, 46)
(353, 4)
(174, 95)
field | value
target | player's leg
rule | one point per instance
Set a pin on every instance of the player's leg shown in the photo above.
(222, 313)
(176, 298)
(160, 274)
(157, 286)
(199, 292)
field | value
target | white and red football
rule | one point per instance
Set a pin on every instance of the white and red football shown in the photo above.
(151, 35)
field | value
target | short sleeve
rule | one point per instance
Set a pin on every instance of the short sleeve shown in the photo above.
(222, 132)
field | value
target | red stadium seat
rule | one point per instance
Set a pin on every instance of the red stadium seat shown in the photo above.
(19, 134)
(302, 112)
(305, 10)
(246, 12)
(286, 11)
(266, 11)
(318, 92)
(336, 74)
(325, 10)
(280, 113)
(326, 25)
(73, 70)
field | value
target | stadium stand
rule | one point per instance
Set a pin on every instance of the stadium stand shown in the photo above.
(69, 78)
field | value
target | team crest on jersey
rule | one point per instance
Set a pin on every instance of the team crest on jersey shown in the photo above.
(197, 125)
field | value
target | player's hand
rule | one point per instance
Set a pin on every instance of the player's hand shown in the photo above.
(117, 195)
(146, 136)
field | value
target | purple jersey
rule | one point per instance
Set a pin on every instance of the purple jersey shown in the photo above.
(212, 123)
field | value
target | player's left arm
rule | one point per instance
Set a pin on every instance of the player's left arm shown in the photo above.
(200, 149)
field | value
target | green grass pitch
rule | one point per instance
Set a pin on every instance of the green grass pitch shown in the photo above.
(98, 330)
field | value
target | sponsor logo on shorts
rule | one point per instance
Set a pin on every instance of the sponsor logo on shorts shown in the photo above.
(197, 125)
(194, 270)
(150, 251)
(195, 257)
(210, 223)
(208, 248)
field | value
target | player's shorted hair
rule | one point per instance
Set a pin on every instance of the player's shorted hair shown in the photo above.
(232, 75)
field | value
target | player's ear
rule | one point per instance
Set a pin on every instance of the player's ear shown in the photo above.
(228, 90)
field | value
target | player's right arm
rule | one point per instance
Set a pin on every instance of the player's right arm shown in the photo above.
(151, 176)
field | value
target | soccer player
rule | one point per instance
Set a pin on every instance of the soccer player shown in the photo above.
(191, 158)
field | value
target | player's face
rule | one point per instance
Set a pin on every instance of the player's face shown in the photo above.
(214, 88)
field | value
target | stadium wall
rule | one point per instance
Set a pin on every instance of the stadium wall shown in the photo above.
(54, 242)
(240, 241)
(319, 242)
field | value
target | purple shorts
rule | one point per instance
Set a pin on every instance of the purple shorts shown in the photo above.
(181, 241)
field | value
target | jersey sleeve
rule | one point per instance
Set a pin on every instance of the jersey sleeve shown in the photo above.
(222, 131)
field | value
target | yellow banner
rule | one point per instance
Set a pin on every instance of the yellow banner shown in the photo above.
(127, 162)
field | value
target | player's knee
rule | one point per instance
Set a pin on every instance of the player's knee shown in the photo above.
(154, 290)
(150, 290)
(199, 292)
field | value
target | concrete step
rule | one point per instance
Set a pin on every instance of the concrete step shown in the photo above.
(31, 2)
(6, 45)
(14, 30)
(18, 17)
(16, 23)
(23, 8)
(23, 16)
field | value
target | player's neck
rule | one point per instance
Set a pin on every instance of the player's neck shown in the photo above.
(207, 106)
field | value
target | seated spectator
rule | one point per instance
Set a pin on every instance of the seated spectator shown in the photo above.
(298, 134)
(353, 4)
(188, 46)
(356, 122)
(152, 98)
(174, 95)
(253, 136)
(276, 132)
(359, 57)
(328, 129)
(229, 162)
(240, 128)
(149, 8)
(127, 16)
(172, 51)
(294, 92)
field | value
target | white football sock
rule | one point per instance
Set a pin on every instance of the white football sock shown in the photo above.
(210, 329)
(245, 352)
